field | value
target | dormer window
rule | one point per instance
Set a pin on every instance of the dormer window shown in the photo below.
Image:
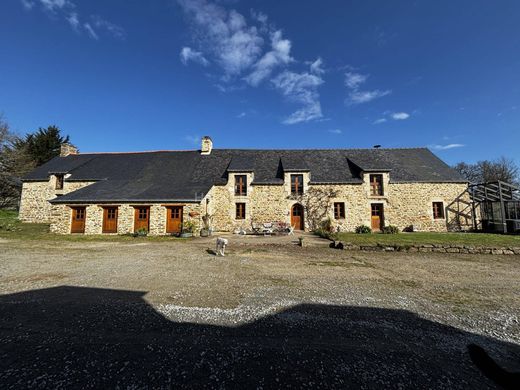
(240, 185)
(59, 182)
(376, 185)
(296, 184)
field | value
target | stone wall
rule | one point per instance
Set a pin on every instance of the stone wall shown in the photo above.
(34, 205)
(61, 217)
(404, 204)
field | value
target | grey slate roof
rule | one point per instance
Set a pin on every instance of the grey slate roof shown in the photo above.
(187, 175)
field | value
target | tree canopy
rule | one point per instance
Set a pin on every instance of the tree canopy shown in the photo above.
(502, 169)
(18, 156)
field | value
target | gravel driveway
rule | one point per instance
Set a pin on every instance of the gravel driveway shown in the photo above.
(270, 314)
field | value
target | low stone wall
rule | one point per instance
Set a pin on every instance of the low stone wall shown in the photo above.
(433, 248)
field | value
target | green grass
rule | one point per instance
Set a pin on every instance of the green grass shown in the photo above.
(420, 238)
(11, 228)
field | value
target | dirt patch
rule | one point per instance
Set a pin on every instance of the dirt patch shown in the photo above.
(157, 312)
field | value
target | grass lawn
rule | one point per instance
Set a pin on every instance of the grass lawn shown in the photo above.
(10, 227)
(419, 238)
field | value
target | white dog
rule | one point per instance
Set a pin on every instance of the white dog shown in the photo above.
(221, 246)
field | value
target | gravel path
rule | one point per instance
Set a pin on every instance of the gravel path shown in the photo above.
(270, 314)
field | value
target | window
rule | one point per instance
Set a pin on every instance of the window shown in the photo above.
(438, 210)
(59, 182)
(142, 213)
(376, 185)
(296, 184)
(79, 213)
(241, 211)
(241, 185)
(339, 210)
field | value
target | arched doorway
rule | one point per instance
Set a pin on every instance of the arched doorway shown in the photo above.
(297, 217)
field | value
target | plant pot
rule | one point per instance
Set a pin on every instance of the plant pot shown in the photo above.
(186, 235)
(204, 233)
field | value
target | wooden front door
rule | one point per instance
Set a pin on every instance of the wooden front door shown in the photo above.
(297, 217)
(377, 216)
(142, 218)
(78, 220)
(174, 219)
(110, 220)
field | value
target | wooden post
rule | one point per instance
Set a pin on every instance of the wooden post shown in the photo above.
(502, 207)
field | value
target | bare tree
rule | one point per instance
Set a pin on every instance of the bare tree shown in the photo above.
(503, 169)
(14, 164)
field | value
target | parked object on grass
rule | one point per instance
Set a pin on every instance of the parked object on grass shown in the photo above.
(221, 246)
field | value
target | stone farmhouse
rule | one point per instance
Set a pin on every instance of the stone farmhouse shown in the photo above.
(118, 193)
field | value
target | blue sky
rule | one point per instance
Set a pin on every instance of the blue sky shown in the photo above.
(134, 75)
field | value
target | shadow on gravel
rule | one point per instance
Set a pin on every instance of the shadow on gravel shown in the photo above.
(78, 337)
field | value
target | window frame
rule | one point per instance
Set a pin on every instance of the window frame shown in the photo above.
(339, 210)
(240, 211)
(296, 185)
(438, 212)
(376, 186)
(240, 185)
(59, 182)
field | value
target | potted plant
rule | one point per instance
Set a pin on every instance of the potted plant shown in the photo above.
(188, 228)
(206, 227)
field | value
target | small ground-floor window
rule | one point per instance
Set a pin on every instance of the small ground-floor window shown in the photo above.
(438, 210)
(240, 211)
(110, 219)
(339, 210)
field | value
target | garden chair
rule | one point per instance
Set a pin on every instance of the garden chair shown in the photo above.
(268, 229)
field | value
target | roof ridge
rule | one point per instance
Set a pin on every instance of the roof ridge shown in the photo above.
(137, 152)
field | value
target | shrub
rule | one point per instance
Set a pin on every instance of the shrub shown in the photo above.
(363, 229)
(188, 227)
(325, 230)
(390, 229)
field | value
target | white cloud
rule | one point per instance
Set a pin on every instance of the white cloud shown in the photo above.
(235, 45)
(113, 29)
(66, 9)
(73, 20)
(354, 80)
(188, 54)
(316, 66)
(358, 97)
(241, 115)
(27, 4)
(447, 147)
(53, 5)
(399, 116)
(335, 131)
(90, 31)
(279, 55)
(301, 88)
(379, 121)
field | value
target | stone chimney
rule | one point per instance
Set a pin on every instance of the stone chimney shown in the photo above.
(207, 145)
(68, 149)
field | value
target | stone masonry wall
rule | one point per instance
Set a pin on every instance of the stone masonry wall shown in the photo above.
(404, 204)
(34, 205)
(61, 216)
